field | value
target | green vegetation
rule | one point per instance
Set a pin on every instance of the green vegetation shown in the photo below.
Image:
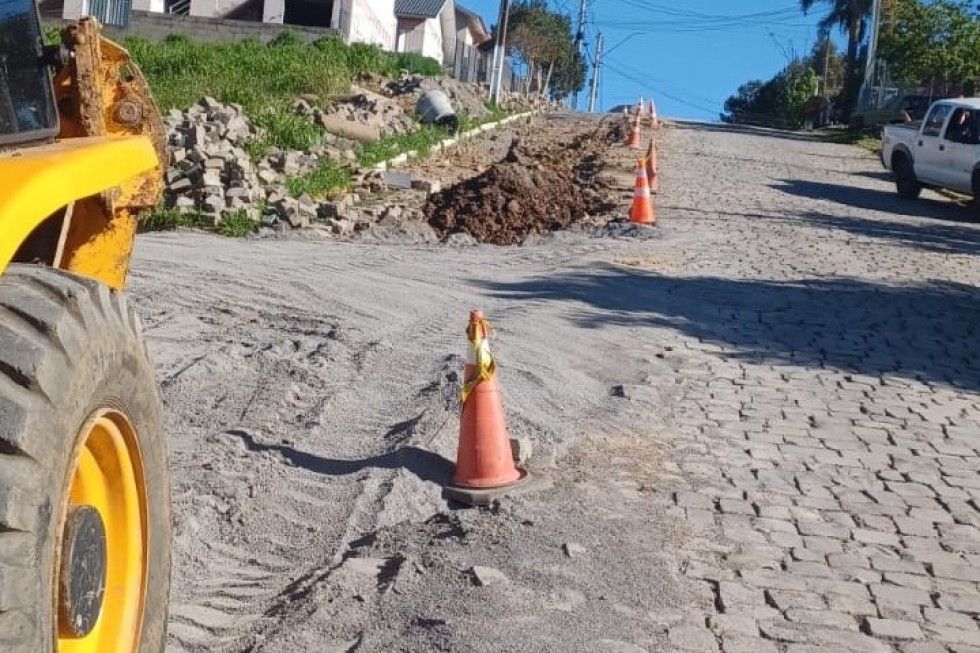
(934, 43)
(258, 76)
(543, 40)
(235, 224)
(164, 219)
(852, 137)
(392, 145)
(784, 101)
(264, 78)
(325, 181)
(929, 43)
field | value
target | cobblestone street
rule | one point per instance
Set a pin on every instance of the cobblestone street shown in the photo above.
(821, 336)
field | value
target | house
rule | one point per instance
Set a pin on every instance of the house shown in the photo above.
(427, 27)
(471, 31)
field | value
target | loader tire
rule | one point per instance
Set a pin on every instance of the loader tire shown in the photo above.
(84, 481)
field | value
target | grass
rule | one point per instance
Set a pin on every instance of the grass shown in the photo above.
(853, 137)
(323, 182)
(421, 141)
(257, 75)
(235, 224)
(264, 78)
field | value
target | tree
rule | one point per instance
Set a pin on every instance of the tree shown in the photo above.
(933, 43)
(542, 40)
(781, 102)
(850, 16)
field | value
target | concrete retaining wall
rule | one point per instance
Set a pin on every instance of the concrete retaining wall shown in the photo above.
(158, 26)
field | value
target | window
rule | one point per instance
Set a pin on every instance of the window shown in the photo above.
(935, 120)
(962, 127)
(26, 104)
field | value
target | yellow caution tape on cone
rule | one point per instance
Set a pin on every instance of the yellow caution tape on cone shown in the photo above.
(478, 334)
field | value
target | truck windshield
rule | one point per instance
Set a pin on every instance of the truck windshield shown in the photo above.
(26, 102)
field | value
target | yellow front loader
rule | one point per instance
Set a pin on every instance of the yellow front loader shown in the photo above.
(84, 481)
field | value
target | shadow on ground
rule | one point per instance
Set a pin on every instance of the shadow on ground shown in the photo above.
(427, 465)
(945, 239)
(926, 331)
(878, 200)
(750, 130)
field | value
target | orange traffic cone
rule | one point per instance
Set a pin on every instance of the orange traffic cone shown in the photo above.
(653, 115)
(651, 168)
(634, 138)
(642, 210)
(484, 459)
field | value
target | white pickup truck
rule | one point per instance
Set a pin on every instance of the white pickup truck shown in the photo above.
(942, 151)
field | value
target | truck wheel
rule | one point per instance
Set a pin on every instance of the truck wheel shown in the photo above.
(84, 481)
(905, 182)
(975, 202)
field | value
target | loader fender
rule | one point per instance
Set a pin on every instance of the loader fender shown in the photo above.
(37, 181)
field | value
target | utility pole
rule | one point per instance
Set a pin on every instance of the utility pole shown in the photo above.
(496, 67)
(595, 72)
(501, 60)
(826, 65)
(579, 37)
(870, 67)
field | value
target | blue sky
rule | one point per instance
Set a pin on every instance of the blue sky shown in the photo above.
(689, 54)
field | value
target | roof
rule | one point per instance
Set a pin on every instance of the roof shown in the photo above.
(972, 102)
(419, 8)
(474, 21)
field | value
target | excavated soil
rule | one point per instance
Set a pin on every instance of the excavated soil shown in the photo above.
(540, 186)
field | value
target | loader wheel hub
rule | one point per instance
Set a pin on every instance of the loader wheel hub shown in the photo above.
(102, 565)
(82, 580)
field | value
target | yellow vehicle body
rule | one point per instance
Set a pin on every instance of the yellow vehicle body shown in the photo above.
(39, 181)
(73, 203)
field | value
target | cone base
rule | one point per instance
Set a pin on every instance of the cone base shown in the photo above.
(485, 496)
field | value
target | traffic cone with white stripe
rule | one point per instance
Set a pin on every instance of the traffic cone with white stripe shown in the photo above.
(633, 141)
(654, 122)
(642, 210)
(653, 179)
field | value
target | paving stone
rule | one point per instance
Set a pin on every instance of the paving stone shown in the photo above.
(851, 605)
(731, 623)
(956, 571)
(844, 640)
(948, 618)
(822, 618)
(900, 595)
(787, 599)
(694, 500)
(773, 579)
(953, 635)
(734, 595)
(909, 580)
(959, 602)
(892, 629)
(922, 647)
(688, 637)
(739, 643)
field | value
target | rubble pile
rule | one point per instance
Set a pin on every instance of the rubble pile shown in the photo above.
(209, 170)
(539, 187)
(366, 108)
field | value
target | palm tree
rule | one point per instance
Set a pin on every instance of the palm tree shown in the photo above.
(850, 16)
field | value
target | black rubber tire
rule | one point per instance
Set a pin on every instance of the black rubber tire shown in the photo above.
(906, 184)
(68, 347)
(975, 200)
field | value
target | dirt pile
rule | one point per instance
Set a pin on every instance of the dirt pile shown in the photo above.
(538, 187)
